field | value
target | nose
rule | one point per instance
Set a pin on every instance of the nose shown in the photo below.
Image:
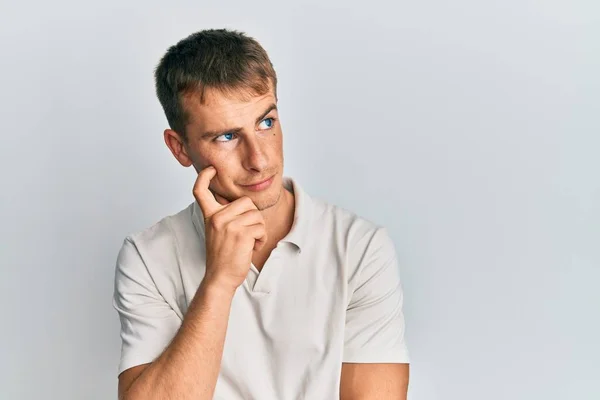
(255, 157)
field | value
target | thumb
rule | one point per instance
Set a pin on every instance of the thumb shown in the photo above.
(258, 245)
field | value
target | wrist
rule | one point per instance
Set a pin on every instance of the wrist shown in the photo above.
(217, 287)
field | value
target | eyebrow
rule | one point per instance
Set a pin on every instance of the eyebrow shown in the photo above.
(208, 134)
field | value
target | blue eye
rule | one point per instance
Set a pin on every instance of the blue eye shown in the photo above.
(270, 121)
(266, 123)
(226, 135)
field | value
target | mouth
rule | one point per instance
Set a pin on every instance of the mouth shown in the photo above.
(261, 185)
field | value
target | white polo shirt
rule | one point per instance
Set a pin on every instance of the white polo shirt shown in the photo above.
(330, 292)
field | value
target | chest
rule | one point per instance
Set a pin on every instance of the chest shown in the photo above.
(291, 338)
(286, 328)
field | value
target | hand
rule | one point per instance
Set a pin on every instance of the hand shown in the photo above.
(233, 231)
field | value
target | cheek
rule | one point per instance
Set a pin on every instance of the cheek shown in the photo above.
(221, 162)
(205, 158)
(225, 167)
(278, 147)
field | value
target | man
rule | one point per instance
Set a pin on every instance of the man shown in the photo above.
(255, 290)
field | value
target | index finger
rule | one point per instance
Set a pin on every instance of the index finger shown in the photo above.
(206, 200)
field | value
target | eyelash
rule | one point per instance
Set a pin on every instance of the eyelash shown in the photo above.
(271, 118)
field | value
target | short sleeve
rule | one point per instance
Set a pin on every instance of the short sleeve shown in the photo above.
(374, 331)
(148, 323)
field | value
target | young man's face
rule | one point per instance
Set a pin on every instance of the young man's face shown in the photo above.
(242, 140)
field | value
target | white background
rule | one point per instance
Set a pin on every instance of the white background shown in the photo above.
(469, 128)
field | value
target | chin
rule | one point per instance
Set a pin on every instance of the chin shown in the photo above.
(268, 198)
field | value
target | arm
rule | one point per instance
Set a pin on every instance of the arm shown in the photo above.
(374, 381)
(189, 366)
(375, 364)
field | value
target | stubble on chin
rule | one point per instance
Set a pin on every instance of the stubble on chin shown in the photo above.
(271, 202)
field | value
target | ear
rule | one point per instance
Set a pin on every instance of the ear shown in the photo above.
(176, 144)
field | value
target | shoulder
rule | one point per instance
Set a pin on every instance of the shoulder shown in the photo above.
(164, 232)
(157, 246)
(354, 235)
(332, 218)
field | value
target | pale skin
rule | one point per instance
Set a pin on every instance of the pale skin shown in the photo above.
(241, 226)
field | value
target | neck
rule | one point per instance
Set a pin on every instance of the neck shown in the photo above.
(280, 217)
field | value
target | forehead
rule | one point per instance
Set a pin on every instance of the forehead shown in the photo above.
(220, 110)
